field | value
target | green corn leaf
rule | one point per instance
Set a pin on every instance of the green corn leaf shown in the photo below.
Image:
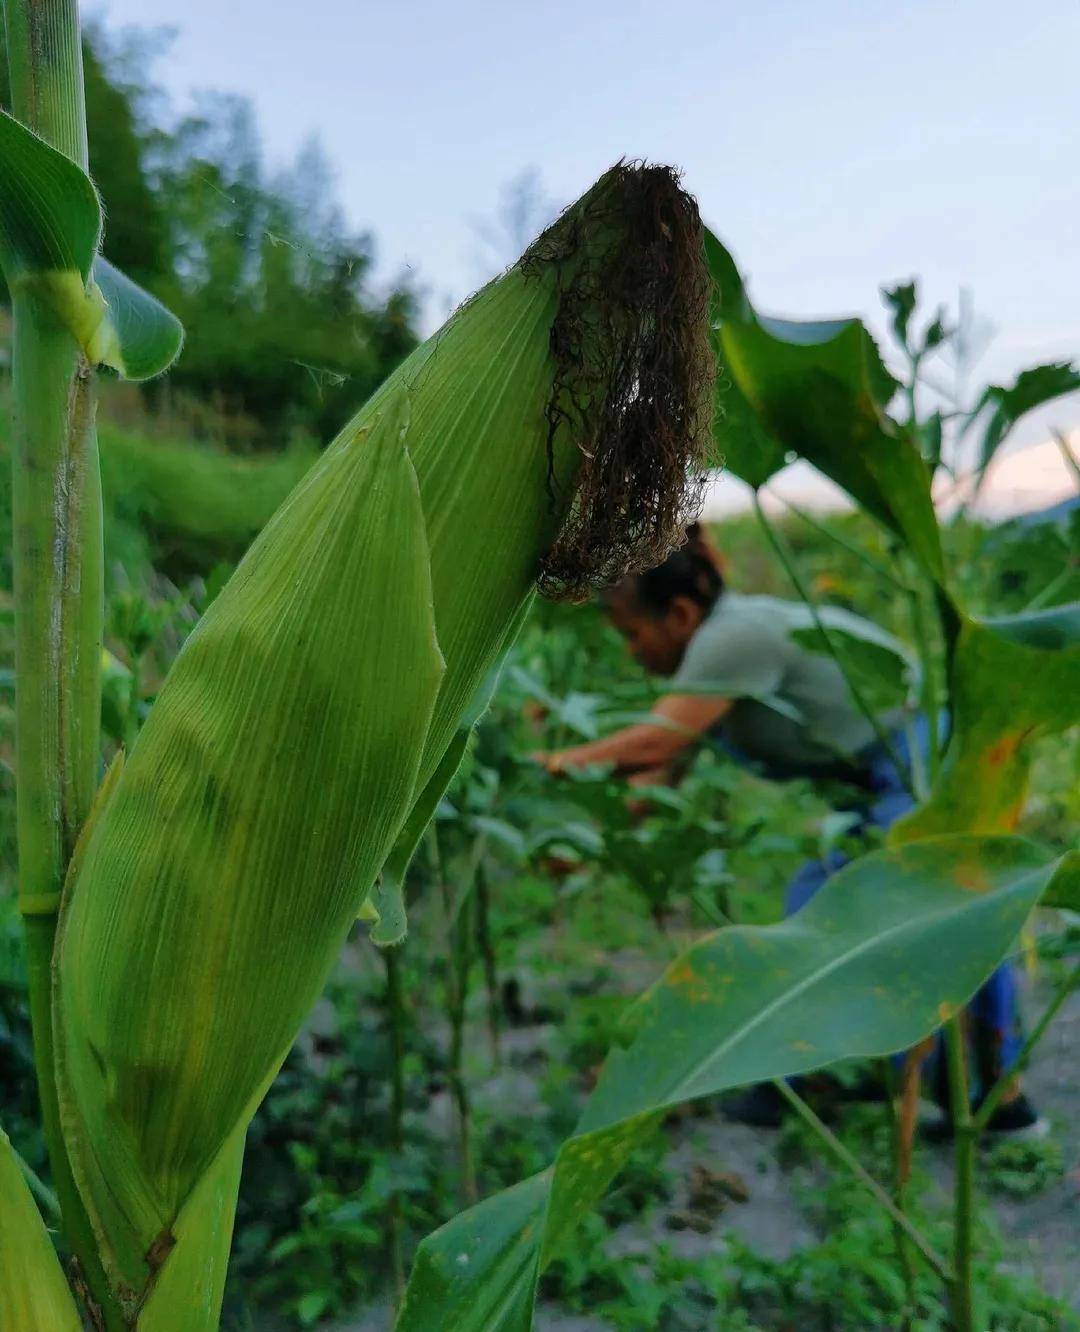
(852, 974)
(324, 695)
(819, 390)
(1012, 681)
(50, 215)
(50, 231)
(139, 338)
(34, 1297)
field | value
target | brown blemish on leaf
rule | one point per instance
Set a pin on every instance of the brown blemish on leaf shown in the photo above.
(945, 1011)
(1003, 749)
(804, 1047)
(160, 1249)
(691, 983)
(971, 877)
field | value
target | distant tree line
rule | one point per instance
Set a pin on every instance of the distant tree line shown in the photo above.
(273, 287)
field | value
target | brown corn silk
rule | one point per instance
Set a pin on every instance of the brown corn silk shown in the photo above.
(553, 428)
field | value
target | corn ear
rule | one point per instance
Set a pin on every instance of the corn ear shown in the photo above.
(34, 1297)
(551, 428)
(224, 870)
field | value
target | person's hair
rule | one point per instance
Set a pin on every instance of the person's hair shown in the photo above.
(691, 571)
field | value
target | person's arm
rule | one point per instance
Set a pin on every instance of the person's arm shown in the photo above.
(682, 719)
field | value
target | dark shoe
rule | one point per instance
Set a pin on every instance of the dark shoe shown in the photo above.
(761, 1106)
(1017, 1116)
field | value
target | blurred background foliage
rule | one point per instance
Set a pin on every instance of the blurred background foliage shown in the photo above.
(285, 334)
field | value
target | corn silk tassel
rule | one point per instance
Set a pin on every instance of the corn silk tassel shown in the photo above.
(551, 433)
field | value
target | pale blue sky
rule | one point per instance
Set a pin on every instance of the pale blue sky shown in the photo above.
(834, 145)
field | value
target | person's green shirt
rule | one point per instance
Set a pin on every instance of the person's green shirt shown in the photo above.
(792, 711)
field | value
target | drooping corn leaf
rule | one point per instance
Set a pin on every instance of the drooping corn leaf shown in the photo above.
(385, 907)
(1002, 405)
(50, 230)
(34, 1297)
(817, 389)
(140, 337)
(854, 973)
(1012, 681)
(259, 800)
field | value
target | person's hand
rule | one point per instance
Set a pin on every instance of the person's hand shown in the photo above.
(551, 759)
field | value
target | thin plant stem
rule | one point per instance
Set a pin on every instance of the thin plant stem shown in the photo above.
(457, 978)
(964, 1187)
(827, 1136)
(47, 1200)
(487, 954)
(396, 1016)
(1045, 594)
(852, 547)
(1000, 1088)
(929, 683)
(785, 558)
(1071, 460)
(903, 1246)
(58, 576)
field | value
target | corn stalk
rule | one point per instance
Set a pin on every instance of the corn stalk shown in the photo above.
(58, 579)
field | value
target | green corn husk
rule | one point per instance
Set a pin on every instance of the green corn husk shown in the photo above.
(316, 702)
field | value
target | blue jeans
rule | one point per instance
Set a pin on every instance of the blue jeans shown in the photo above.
(995, 1031)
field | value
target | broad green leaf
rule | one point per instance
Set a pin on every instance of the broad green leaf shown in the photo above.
(1012, 681)
(744, 445)
(50, 215)
(1004, 405)
(34, 1297)
(856, 972)
(50, 230)
(817, 389)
